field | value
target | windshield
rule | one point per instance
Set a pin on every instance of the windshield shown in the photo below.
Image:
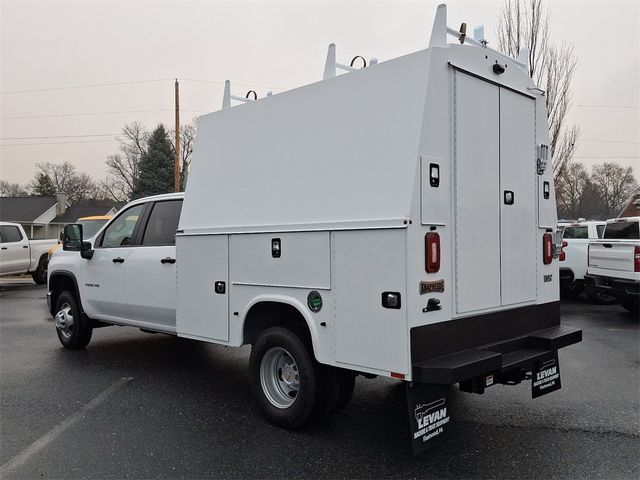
(622, 231)
(91, 227)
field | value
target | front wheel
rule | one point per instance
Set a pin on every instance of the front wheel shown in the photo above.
(40, 275)
(73, 331)
(283, 377)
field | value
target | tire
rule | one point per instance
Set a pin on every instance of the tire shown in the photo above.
(596, 296)
(74, 331)
(346, 382)
(572, 291)
(631, 306)
(40, 275)
(284, 378)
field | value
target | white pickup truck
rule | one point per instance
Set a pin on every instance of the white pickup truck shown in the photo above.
(614, 262)
(573, 258)
(19, 255)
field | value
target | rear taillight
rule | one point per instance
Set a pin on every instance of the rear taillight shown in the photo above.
(636, 259)
(547, 248)
(432, 252)
(563, 256)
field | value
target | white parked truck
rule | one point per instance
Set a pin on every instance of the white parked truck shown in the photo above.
(614, 263)
(573, 256)
(397, 220)
(19, 255)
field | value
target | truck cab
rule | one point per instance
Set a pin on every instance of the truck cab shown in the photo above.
(19, 255)
(127, 274)
(573, 259)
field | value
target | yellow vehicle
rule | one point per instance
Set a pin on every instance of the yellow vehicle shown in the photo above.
(90, 226)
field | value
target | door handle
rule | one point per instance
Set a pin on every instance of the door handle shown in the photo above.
(4, 248)
(118, 260)
(509, 197)
(168, 260)
(25, 246)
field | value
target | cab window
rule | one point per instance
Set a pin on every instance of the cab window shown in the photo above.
(600, 230)
(120, 232)
(576, 232)
(622, 231)
(163, 223)
(10, 234)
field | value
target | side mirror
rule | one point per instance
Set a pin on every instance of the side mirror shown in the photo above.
(72, 237)
(72, 241)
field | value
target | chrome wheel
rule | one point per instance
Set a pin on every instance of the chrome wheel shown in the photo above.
(64, 320)
(279, 377)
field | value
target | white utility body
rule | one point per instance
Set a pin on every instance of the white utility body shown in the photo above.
(614, 262)
(397, 220)
(19, 255)
(573, 257)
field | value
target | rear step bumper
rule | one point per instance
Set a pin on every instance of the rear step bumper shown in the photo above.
(507, 360)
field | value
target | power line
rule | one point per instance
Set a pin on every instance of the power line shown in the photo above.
(88, 85)
(87, 114)
(54, 143)
(216, 82)
(61, 136)
(606, 157)
(52, 115)
(588, 105)
(608, 141)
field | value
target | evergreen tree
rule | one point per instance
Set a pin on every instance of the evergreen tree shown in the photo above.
(42, 186)
(156, 166)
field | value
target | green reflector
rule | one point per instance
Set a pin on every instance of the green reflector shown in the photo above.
(314, 300)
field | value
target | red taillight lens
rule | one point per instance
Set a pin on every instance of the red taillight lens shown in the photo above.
(636, 259)
(547, 248)
(432, 252)
(563, 255)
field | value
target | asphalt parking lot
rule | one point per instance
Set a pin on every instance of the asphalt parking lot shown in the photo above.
(135, 405)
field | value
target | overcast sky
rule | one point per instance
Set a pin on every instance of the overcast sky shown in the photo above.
(49, 46)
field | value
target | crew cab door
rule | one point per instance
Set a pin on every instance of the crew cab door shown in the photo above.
(103, 283)
(151, 267)
(14, 250)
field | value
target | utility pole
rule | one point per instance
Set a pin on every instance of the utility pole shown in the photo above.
(176, 162)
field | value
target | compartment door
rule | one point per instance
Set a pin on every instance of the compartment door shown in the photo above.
(203, 312)
(477, 195)
(517, 214)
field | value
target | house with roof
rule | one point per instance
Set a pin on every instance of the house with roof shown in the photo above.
(632, 208)
(45, 217)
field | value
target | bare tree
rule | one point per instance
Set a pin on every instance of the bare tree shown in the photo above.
(65, 178)
(615, 185)
(8, 189)
(187, 140)
(525, 24)
(570, 188)
(122, 167)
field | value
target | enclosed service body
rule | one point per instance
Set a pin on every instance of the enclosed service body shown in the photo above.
(397, 220)
(347, 177)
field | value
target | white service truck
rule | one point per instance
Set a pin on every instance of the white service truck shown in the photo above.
(573, 257)
(19, 255)
(614, 263)
(397, 220)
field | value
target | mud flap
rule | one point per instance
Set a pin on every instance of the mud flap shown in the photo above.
(429, 414)
(545, 377)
